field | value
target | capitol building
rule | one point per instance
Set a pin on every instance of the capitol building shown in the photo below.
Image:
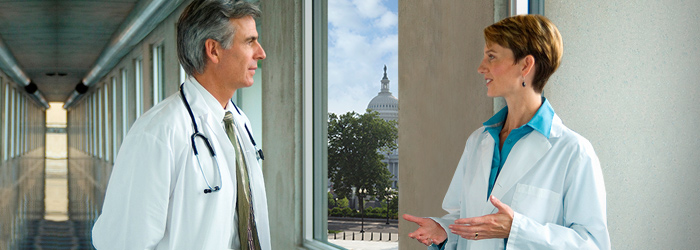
(387, 106)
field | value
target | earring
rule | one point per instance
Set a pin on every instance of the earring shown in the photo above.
(523, 84)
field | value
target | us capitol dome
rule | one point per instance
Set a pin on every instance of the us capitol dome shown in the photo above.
(385, 103)
(388, 107)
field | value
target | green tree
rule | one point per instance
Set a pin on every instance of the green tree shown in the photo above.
(356, 145)
(331, 201)
(343, 203)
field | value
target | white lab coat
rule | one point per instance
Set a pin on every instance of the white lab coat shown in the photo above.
(554, 186)
(155, 197)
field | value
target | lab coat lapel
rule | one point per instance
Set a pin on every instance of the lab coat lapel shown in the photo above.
(478, 189)
(524, 155)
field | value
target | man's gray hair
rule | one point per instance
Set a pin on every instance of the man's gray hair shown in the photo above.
(208, 19)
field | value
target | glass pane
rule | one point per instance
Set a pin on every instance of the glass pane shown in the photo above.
(107, 122)
(183, 75)
(98, 117)
(3, 134)
(115, 116)
(138, 79)
(157, 74)
(125, 103)
(362, 124)
(521, 7)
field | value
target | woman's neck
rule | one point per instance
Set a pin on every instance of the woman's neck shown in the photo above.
(521, 109)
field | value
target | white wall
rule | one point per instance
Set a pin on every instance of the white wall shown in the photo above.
(629, 84)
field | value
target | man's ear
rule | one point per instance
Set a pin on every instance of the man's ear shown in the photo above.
(212, 50)
(528, 64)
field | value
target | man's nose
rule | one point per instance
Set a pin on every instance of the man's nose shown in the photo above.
(260, 53)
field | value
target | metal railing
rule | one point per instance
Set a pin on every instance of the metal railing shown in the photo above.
(366, 236)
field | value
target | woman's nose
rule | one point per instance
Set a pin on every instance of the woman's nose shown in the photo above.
(481, 69)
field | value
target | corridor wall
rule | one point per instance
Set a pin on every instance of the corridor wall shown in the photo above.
(22, 141)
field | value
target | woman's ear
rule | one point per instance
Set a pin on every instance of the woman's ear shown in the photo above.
(528, 64)
(211, 51)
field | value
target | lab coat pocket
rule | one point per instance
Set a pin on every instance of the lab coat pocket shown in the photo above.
(541, 205)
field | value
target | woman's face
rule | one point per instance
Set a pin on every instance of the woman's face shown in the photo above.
(503, 76)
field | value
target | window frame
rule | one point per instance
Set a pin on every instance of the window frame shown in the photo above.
(315, 125)
(93, 124)
(3, 121)
(158, 71)
(12, 122)
(183, 74)
(22, 124)
(125, 101)
(115, 117)
(519, 7)
(138, 85)
(107, 133)
(99, 140)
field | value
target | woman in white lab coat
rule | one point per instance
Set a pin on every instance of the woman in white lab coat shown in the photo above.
(524, 181)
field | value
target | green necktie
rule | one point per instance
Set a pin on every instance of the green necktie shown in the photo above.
(246, 218)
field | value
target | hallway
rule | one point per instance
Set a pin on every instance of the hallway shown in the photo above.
(56, 235)
(55, 229)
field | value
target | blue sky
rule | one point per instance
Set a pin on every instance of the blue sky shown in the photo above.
(362, 38)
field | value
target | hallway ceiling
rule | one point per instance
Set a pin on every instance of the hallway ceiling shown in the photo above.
(50, 38)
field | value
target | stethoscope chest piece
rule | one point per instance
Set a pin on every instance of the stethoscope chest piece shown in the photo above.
(197, 135)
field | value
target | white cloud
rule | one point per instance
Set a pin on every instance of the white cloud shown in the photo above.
(387, 20)
(370, 8)
(362, 37)
(342, 14)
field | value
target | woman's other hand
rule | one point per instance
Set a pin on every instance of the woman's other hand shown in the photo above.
(486, 227)
(429, 231)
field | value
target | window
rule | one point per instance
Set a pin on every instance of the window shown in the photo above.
(344, 59)
(183, 75)
(23, 125)
(93, 125)
(519, 7)
(11, 120)
(138, 81)
(115, 116)
(106, 117)
(87, 120)
(125, 103)
(4, 122)
(99, 138)
(157, 56)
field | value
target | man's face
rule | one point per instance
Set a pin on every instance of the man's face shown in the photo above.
(240, 60)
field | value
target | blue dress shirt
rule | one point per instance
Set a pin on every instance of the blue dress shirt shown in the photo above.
(541, 122)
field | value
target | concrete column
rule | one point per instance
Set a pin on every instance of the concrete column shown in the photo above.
(442, 99)
(281, 37)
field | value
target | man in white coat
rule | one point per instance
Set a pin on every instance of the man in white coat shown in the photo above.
(167, 190)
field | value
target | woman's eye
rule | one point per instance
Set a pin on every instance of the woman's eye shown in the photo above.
(491, 57)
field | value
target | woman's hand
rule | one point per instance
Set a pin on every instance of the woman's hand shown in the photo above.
(485, 227)
(429, 231)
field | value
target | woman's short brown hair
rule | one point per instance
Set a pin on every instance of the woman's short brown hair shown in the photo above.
(529, 35)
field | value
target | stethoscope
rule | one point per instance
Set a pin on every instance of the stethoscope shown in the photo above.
(197, 134)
